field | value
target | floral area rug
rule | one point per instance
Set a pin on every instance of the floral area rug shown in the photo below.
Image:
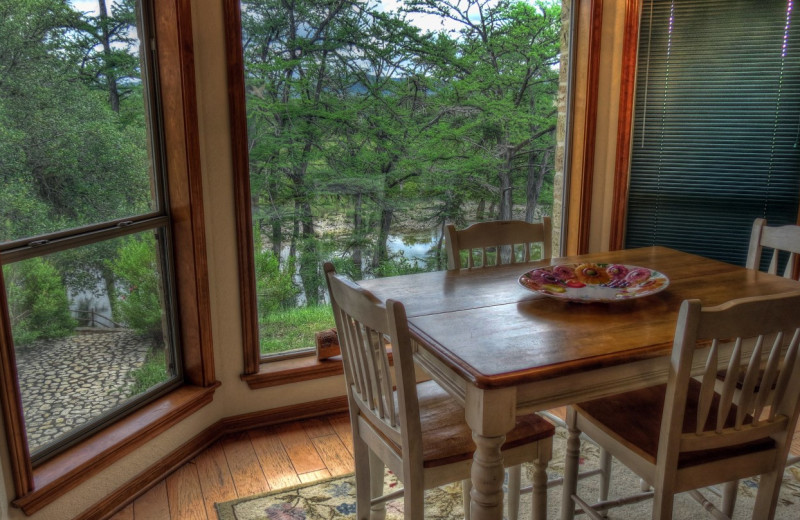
(334, 499)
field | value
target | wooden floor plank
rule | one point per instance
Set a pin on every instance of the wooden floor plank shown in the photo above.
(216, 481)
(248, 477)
(317, 427)
(341, 425)
(153, 505)
(184, 494)
(125, 514)
(274, 460)
(313, 476)
(299, 447)
(333, 452)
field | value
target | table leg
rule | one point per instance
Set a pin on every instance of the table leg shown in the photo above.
(490, 414)
(486, 497)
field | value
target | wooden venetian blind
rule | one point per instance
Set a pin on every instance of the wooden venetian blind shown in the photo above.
(716, 125)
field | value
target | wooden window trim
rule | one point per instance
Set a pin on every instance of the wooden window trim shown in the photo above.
(241, 185)
(37, 487)
(619, 203)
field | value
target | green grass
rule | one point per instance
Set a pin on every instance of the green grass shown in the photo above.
(293, 329)
(150, 374)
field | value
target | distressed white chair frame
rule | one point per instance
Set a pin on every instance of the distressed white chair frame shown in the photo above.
(779, 239)
(505, 237)
(763, 333)
(383, 418)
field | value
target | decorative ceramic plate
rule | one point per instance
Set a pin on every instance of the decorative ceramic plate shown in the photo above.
(594, 282)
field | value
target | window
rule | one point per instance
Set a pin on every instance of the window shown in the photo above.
(369, 126)
(104, 306)
(715, 131)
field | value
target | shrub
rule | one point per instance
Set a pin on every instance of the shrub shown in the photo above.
(37, 301)
(139, 303)
(274, 286)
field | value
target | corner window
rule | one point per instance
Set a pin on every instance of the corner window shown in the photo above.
(362, 128)
(102, 303)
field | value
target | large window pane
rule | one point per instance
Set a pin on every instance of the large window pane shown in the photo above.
(73, 140)
(84, 231)
(370, 125)
(91, 333)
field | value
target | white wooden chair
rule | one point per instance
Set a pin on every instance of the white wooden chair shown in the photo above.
(483, 238)
(503, 236)
(418, 431)
(777, 238)
(701, 437)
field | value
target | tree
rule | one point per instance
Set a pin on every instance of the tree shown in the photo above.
(37, 301)
(498, 82)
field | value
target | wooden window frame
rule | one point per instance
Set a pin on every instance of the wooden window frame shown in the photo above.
(39, 486)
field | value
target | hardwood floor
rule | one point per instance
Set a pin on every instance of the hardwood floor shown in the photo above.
(248, 463)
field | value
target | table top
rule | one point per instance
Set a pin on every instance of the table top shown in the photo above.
(494, 333)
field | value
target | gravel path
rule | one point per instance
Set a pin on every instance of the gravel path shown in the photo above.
(66, 382)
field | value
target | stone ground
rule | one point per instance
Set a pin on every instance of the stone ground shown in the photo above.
(66, 382)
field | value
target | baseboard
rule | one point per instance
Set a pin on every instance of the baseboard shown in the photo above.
(142, 483)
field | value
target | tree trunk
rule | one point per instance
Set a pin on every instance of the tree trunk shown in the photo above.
(480, 211)
(536, 175)
(105, 40)
(358, 234)
(381, 249)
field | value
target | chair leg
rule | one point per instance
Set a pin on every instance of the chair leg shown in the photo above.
(570, 466)
(413, 499)
(362, 456)
(663, 502)
(605, 475)
(376, 473)
(769, 487)
(514, 484)
(466, 487)
(729, 490)
(539, 497)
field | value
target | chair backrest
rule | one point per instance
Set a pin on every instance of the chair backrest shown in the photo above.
(779, 239)
(366, 326)
(511, 241)
(762, 333)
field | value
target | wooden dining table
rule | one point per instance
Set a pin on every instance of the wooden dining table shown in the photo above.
(501, 349)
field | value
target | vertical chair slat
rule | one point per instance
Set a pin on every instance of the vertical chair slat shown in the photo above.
(366, 367)
(773, 263)
(355, 358)
(787, 272)
(729, 387)
(707, 386)
(387, 391)
(748, 392)
(783, 379)
(768, 378)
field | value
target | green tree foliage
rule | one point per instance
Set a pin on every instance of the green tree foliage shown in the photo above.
(137, 269)
(274, 285)
(37, 301)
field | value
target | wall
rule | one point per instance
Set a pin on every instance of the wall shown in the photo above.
(234, 397)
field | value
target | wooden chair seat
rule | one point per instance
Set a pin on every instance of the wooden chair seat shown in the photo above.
(447, 439)
(634, 419)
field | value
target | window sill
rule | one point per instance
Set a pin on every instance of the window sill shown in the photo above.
(294, 370)
(62, 473)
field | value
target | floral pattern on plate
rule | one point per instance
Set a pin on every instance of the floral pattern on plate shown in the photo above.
(590, 282)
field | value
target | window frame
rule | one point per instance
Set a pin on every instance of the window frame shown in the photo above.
(35, 487)
(625, 122)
